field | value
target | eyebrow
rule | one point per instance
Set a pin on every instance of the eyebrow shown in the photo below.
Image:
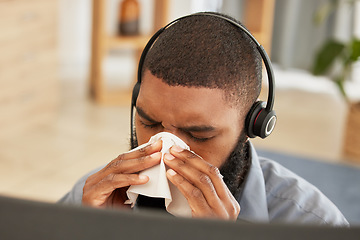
(142, 114)
(200, 128)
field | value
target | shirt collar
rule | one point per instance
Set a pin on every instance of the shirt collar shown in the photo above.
(253, 204)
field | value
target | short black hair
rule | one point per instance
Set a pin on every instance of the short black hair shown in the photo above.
(207, 51)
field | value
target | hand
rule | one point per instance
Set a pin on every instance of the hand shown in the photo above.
(202, 185)
(108, 186)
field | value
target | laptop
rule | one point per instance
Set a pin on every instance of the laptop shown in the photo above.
(24, 219)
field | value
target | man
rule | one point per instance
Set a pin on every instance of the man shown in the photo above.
(199, 80)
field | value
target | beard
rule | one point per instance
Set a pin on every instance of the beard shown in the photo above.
(235, 168)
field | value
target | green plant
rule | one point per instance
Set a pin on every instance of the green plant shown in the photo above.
(332, 51)
(347, 54)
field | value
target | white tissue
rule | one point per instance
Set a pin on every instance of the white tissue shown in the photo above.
(158, 185)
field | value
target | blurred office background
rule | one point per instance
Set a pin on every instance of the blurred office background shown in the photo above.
(56, 124)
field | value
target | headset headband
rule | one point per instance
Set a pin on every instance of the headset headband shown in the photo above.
(261, 119)
(264, 56)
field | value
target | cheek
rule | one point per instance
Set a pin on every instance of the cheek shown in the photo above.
(219, 150)
(216, 152)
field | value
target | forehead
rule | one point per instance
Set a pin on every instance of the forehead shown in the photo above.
(183, 103)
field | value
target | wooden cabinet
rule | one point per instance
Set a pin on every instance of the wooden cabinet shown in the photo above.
(28, 62)
(102, 43)
(259, 18)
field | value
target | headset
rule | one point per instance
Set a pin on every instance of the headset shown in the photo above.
(260, 120)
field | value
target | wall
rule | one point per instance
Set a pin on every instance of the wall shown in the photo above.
(74, 37)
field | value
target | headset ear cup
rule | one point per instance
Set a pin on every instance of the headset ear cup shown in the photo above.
(250, 118)
(259, 121)
(264, 123)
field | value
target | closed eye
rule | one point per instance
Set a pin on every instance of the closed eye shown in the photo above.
(199, 133)
(197, 139)
(149, 125)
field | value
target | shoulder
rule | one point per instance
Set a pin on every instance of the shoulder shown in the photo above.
(74, 196)
(292, 198)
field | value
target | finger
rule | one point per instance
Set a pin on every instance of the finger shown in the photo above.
(206, 168)
(199, 180)
(114, 181)
(141, 152)
(234, 207)
(133, 165)
(194, 196)
(208, 179)
(98, 193)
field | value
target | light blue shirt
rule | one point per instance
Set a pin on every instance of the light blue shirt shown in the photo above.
(275, 194)
(271, 193)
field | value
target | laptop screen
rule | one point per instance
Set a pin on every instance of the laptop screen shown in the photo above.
(23, 219)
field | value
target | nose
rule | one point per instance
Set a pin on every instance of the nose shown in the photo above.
(174, 130)
(170, 129)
